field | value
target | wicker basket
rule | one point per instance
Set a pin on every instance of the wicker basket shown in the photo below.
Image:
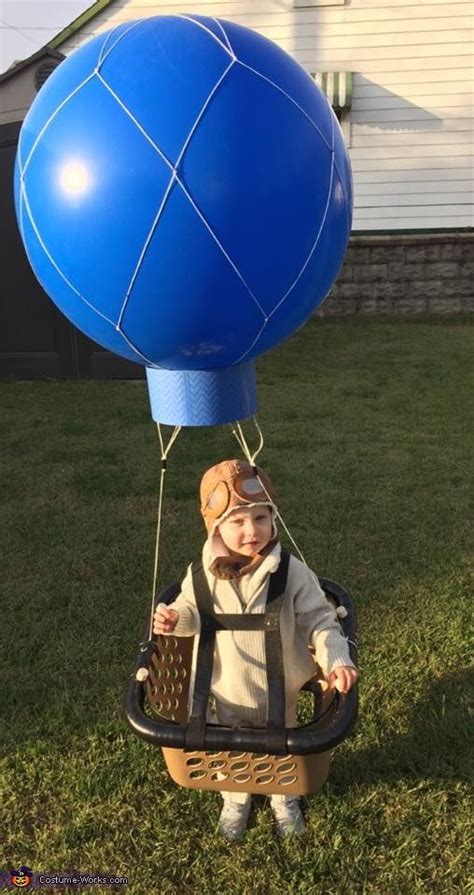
(167, 690)
(237, 759)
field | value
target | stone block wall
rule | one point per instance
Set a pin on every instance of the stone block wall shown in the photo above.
(407, 275)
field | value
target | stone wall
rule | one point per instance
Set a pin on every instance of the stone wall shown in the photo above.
(399, 274)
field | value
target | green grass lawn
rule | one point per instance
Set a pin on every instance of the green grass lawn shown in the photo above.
(369, 440)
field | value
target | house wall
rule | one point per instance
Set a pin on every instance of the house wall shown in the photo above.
(16, 95)
(411, 142)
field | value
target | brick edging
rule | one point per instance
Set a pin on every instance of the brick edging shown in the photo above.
(405, 274)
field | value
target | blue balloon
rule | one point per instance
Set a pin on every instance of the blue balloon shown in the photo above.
(183, 192)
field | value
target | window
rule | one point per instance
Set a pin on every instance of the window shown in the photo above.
(337, 85)
(44, 71)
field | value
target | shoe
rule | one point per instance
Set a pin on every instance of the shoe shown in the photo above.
(289, 818)
(233, 820)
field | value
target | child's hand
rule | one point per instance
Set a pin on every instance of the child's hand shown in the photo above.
(164, 619)
(343, 677)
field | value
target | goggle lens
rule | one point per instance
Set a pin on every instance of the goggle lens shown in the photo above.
(218, 500)
(250, 488)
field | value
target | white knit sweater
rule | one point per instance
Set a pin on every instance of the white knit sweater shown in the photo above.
(239, 682)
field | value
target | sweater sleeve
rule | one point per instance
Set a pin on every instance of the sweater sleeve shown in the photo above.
(185, 604)
(317, 620)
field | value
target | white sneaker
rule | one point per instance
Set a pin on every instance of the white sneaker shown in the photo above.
(289, 817)
(233, 820)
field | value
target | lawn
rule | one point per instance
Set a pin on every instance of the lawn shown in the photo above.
(369, 439)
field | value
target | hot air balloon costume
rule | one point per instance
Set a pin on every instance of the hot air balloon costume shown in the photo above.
(184, 196)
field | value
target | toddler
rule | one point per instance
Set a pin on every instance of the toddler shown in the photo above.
(242, 550)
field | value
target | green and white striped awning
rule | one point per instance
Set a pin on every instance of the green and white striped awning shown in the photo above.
(337, 85)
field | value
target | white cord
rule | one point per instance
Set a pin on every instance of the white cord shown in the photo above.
(164, 453)
(239, 435)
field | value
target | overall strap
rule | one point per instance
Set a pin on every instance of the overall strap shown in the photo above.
(276, 727)
(211, 622)
(196, 727)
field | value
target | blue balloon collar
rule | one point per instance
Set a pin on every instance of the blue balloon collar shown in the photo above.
(202, 397)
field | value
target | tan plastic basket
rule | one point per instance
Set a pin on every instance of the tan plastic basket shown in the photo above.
(167, 691)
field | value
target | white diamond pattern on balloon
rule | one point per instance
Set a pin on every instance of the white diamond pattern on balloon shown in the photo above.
(175, 180)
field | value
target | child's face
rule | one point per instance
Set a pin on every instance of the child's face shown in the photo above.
(247, 530)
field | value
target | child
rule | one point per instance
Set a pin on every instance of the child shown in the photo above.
(241, 552)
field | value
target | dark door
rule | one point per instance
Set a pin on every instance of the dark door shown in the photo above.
(36, 340)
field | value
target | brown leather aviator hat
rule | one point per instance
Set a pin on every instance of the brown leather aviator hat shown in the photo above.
(232, 484)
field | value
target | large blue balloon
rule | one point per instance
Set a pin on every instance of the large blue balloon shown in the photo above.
(183, 192)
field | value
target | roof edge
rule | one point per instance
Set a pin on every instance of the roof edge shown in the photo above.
(78, 23)
(24, 63)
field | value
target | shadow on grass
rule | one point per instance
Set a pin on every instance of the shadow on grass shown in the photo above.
(437, 745)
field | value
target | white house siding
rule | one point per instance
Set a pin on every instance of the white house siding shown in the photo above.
(412, 109)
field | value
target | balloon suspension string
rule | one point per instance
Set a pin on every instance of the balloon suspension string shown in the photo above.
(165, 449)
(238, 432)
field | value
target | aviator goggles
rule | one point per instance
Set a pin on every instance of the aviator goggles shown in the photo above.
(237, 489)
